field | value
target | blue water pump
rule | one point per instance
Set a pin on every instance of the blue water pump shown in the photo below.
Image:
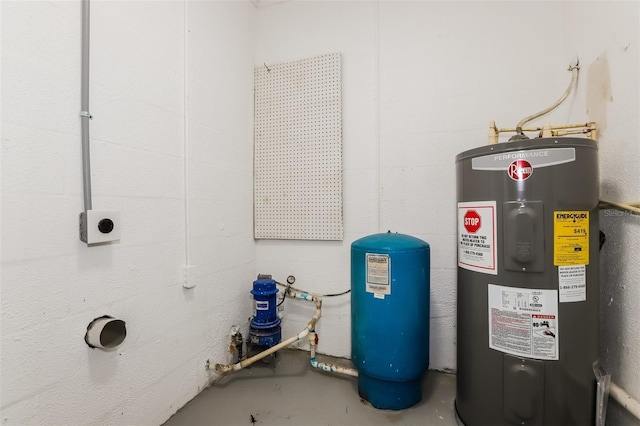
(265, 328)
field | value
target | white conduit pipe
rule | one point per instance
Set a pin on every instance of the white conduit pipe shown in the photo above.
(187, 278)
(627, 401)
(85, 116)
(225, 368)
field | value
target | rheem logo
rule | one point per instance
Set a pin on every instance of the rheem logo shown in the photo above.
(520, 170)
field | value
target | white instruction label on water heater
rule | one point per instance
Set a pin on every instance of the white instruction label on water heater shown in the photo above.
(572, 283)
(378, 274)
(477, 237)
(524, 321)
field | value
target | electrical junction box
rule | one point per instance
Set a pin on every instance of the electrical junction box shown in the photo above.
(99, 226)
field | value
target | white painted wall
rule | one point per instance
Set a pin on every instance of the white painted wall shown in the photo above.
(421, 82)
(606, 36)
(53, 285)
(295, 30)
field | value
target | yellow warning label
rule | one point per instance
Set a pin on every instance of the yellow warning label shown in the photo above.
(570, 238)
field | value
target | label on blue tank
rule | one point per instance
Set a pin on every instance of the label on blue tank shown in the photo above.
(262, 305)
(378, 274)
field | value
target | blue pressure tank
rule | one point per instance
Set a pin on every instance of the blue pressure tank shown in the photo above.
(390, 318)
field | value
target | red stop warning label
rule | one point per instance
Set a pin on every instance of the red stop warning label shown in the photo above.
(477, 238)
(472, 221)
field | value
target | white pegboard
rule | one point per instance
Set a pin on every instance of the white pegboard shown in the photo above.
(298, 149)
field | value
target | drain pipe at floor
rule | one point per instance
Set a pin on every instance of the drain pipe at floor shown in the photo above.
(329, 368)
(313, 340)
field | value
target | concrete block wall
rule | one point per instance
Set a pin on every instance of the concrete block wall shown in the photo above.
(53, 285)
(290, 31)
(606, 36)
(421, 81)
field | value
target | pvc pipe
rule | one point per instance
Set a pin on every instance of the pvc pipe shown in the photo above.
(85, 116)
(304, 296)
(333, 368)
(225, 368)
(105, 333)
(589, 128)
(493, 133)
(627, 401)
(330, 368)
(308, 331)
(624, 206)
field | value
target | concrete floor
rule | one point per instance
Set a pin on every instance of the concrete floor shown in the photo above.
(288, 391)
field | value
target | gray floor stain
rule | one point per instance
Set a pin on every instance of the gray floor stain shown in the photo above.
(291, 392)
